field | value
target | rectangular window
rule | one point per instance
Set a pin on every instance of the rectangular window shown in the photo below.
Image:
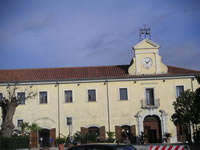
(19, 122)
(150, 96)
(123, 94)
(91, 95)
(21, 97)
(43, 97)
(179, 90)
(1, 96)
(69, 121)
(68, 96)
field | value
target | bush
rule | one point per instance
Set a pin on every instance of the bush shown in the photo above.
(85, 138)
(60, 140)
(14, 142)
(110, 137)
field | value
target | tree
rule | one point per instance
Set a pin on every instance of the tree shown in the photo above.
(187, 107)
(8, 105)
(24, 128)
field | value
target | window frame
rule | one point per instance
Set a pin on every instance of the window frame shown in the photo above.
(72, 96)
(24, 97)
(88, 94)
(149, 104)
(47, 97)
(17, 122)
(127, 94)
(179, 85)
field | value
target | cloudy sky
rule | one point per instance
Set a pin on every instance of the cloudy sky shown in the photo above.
(69, 33)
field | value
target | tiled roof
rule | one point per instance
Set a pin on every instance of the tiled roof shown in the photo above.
(79, 73)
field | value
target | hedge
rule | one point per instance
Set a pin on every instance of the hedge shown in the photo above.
(14, 142)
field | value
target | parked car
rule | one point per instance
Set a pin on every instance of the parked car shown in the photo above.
(103, 147)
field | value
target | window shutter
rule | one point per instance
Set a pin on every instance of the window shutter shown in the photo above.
(118, 133)
(102, 133)
(133, 130)
(84, 130)
(34, 139)
(53, 135)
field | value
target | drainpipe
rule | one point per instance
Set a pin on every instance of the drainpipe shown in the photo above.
(192, 79)
(191, 125)
(58, 109)
(108, 107)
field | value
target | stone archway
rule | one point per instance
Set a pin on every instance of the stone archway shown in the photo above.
(152, 129)
(162, 115)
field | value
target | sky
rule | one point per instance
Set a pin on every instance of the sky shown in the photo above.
(73, 33)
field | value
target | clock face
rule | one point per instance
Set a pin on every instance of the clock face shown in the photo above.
(147, 62)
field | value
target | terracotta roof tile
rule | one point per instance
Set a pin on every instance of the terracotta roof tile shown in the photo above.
(78, 73)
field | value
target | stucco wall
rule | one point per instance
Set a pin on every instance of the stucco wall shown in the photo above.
(86, 114)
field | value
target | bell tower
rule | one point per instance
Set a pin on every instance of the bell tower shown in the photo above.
(147, 59)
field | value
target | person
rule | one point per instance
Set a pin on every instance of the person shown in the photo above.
(41, 139)
(51, 141)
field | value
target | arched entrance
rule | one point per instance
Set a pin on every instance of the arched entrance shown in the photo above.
(121, 132)
(44, 137)
(152, 129)
(94, 130)
(126, 131)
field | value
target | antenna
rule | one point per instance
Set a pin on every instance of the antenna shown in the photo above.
(144, 32)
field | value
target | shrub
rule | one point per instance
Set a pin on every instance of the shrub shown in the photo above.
(14, 142)
(110, 137)
(60, 140)
(84, 138)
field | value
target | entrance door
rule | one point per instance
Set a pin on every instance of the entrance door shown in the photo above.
(152, 136)
(44, 137)
(152, 129)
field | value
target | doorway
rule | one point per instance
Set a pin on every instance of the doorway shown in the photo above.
(152, 129)
(44, 137)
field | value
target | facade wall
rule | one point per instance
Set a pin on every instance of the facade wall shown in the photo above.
(87, 114)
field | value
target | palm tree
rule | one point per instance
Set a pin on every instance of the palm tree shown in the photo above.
(34, 127)
(24, 128)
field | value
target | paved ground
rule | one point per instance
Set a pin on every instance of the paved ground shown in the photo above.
(139, 147)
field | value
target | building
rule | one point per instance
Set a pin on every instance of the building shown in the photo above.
(125, 99)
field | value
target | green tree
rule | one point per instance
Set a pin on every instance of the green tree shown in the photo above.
(24, 128)
(187, 107)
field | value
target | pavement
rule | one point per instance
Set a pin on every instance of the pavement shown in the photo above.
(139, 147)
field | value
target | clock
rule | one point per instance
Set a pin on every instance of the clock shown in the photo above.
(147, 62)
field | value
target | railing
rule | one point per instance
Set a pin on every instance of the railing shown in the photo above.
(144, 104)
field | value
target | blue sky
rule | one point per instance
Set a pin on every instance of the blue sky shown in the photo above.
(70, 33)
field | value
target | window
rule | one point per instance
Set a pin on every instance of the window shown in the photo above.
(91, 95)
(123, 94)
(68, 96)
(21, 98)
(69, 121)
(150, 96)
(43, 97)
(179, 90)
(19, 122)
(1, 96)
